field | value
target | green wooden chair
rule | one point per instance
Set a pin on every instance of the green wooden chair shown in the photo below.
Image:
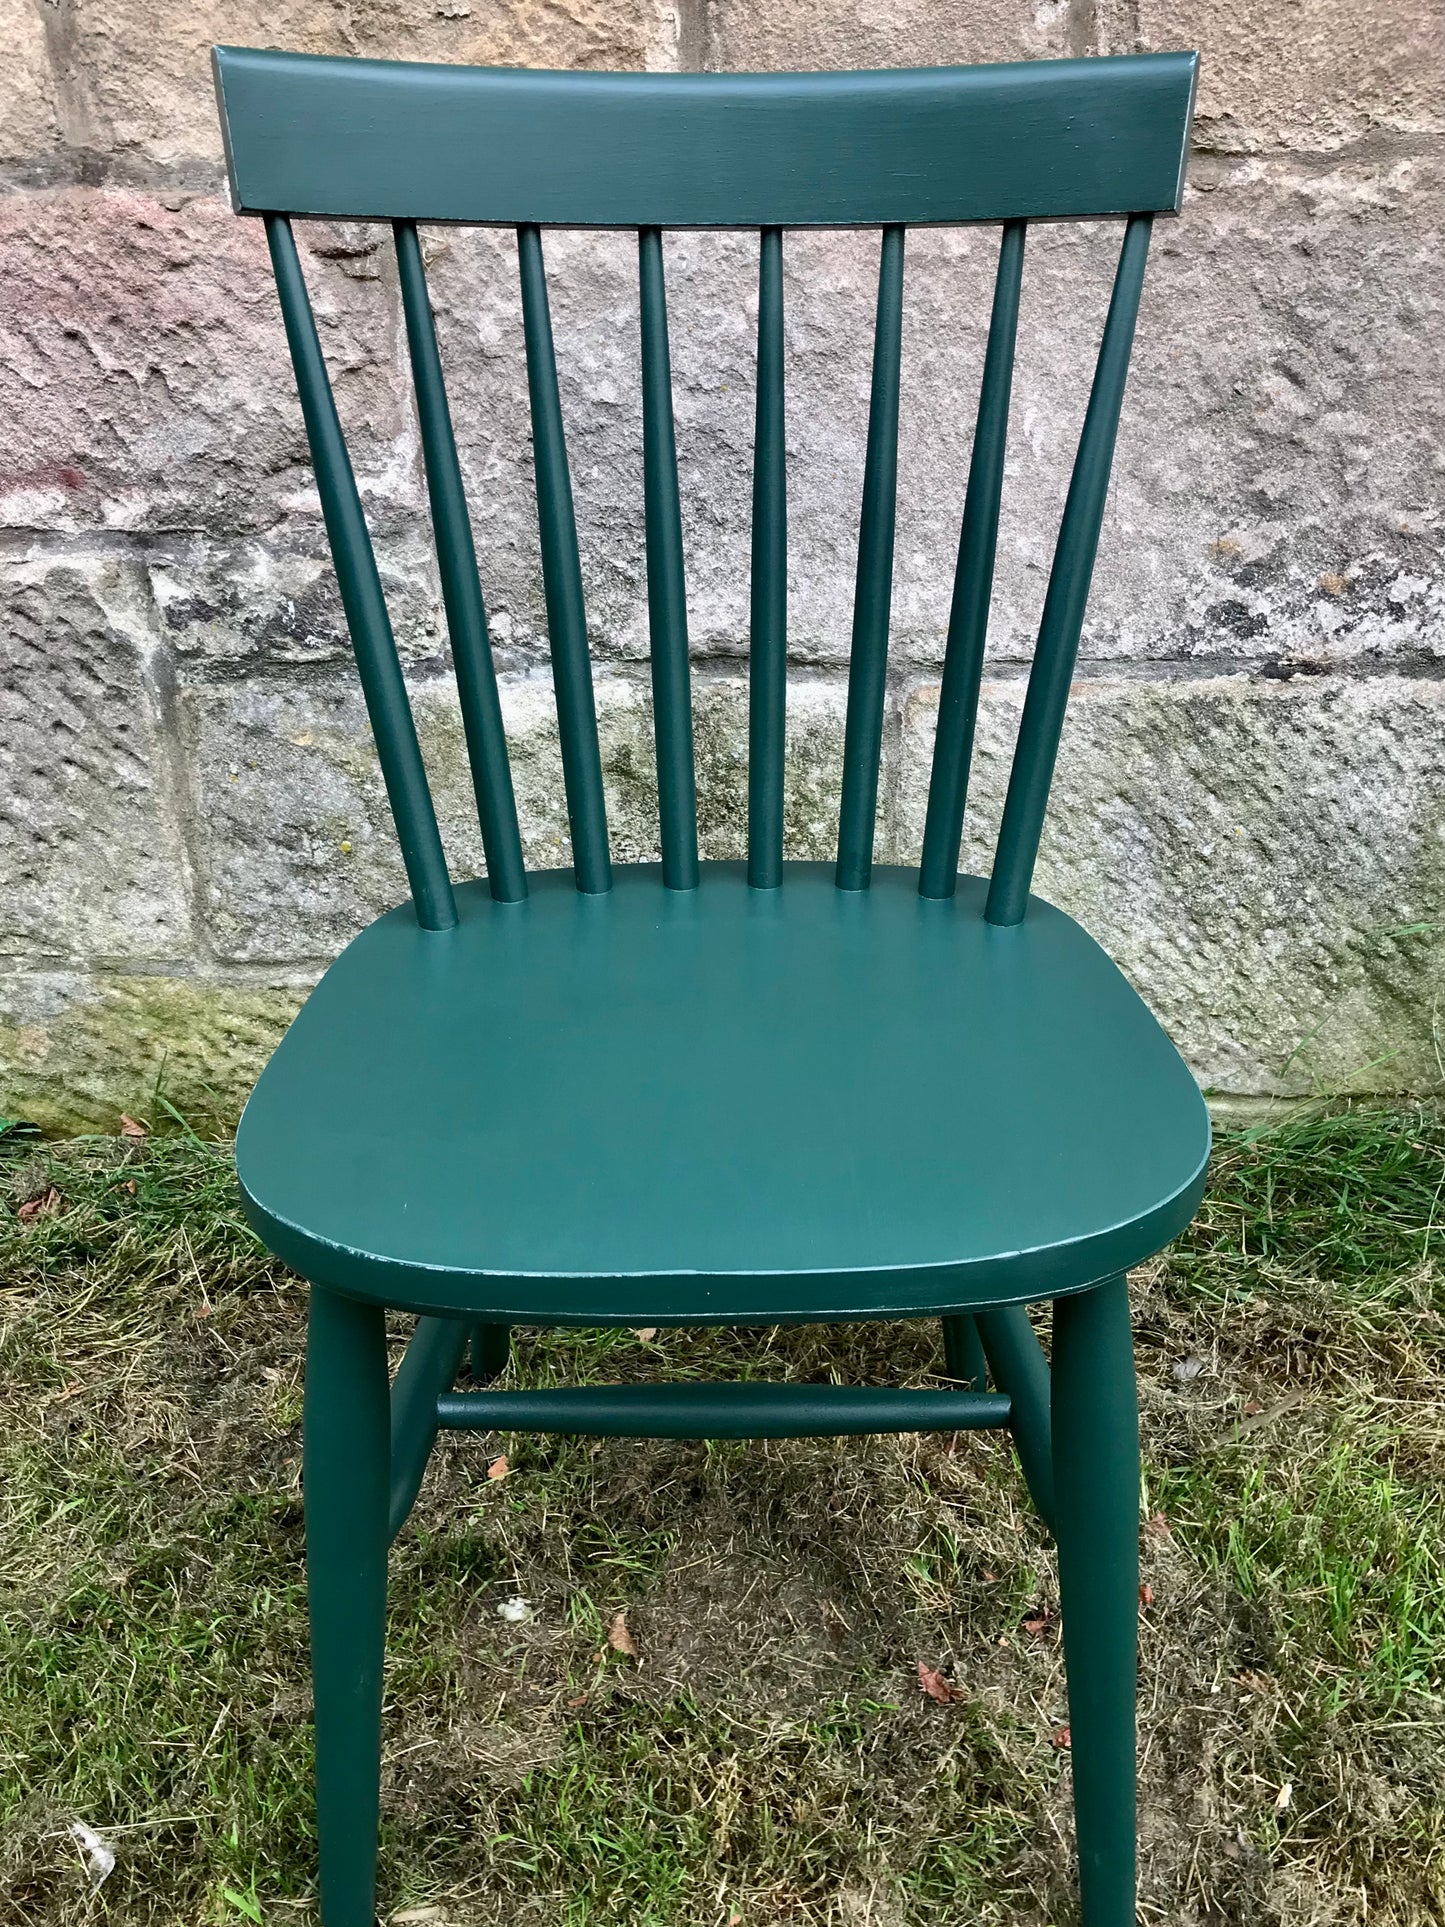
(712, 1093)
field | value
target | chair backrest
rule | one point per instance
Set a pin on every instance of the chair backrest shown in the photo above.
(377, 140)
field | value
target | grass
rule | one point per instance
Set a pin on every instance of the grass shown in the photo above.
(767, 1755)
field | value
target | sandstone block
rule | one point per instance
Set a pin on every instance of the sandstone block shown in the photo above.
(144, 72)
(1264, 859)
(30, 115)
(90, 844)
(1311, 78)
(144, 376)
(756, 35)
(79, 1050)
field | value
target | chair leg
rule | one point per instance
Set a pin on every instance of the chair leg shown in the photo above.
(963, 1352)
(1096, 1488)
(491, 1349)
(347, 1473)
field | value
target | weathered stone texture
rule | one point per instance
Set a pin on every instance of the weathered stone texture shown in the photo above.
(1250, 796)
(743, 34)
(143, 70)
(1260, 857)
(77, 1051)
(29, 108)
(1310, 77)
(143, 374)
(90, 845)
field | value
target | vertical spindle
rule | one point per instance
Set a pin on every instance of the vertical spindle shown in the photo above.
(768, 660)
(1068, 594)
(873, 594)
(972, 582)
(562, 582)
(666, 593)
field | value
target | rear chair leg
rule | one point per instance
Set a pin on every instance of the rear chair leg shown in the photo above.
(963, 1352)
(347, 1488)
(1096, 1492)
(491, 1349)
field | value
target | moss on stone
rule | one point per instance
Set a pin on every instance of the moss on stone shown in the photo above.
(76, 1053)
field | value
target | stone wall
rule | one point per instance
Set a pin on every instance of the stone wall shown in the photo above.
(1251, 798)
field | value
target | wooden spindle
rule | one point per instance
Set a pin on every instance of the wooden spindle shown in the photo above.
(768, 648)
(1068, 593)
(382, 683)
(562, 583)
(873, 594)
(972, 582)
(666, 593)
(461, 585)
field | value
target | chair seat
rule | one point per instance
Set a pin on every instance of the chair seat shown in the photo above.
(724, 1105)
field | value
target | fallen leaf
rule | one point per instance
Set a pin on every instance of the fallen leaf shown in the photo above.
(936, 1686)
(1061, 1739)
(499, 1467)
(647, 1333)
(619, 1639)
(1252, 1408)
(43, 1207)
(129, 1127)
(1146, 1594)
(1157, 1526)
(129, 1186)
(989, 1578)
(578, 1699)
(1038, 1621)
(1284, 1796)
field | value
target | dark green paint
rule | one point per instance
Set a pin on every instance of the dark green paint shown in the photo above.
(1096, 1493)
(712, 1094)
(1018, 1366)
(873, 593)
(425, 1372)
(1068, 593)
(768, 644)
(361, 597)
(491, 1352)
(743, 1411)
(725, 1104)
(346, 1469)
(666, 594)
(963, 1356)
(562, 582)
(461, 586)
(388, 140)
(972, 582)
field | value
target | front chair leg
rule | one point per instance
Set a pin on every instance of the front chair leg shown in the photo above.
(347, 1470)
(1096, 1497)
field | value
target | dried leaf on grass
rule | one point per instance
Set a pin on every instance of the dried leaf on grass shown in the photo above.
(936, 1686)
(619, 1639)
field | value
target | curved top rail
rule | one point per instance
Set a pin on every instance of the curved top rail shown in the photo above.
(338, 138)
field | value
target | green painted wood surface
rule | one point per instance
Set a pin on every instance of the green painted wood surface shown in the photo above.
(461, 586)
(373, 139)
(741, 1411)
(723, 1104)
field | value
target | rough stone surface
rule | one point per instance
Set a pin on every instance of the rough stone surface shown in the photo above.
(143, 374)
(894, 33)
(142, 70)
(30, 127)
(1266, 860)
(1249, 798)
(90, 844)
(78, 1050)
(1311, 77)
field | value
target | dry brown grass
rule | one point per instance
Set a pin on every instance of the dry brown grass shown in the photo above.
(768, 1754)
